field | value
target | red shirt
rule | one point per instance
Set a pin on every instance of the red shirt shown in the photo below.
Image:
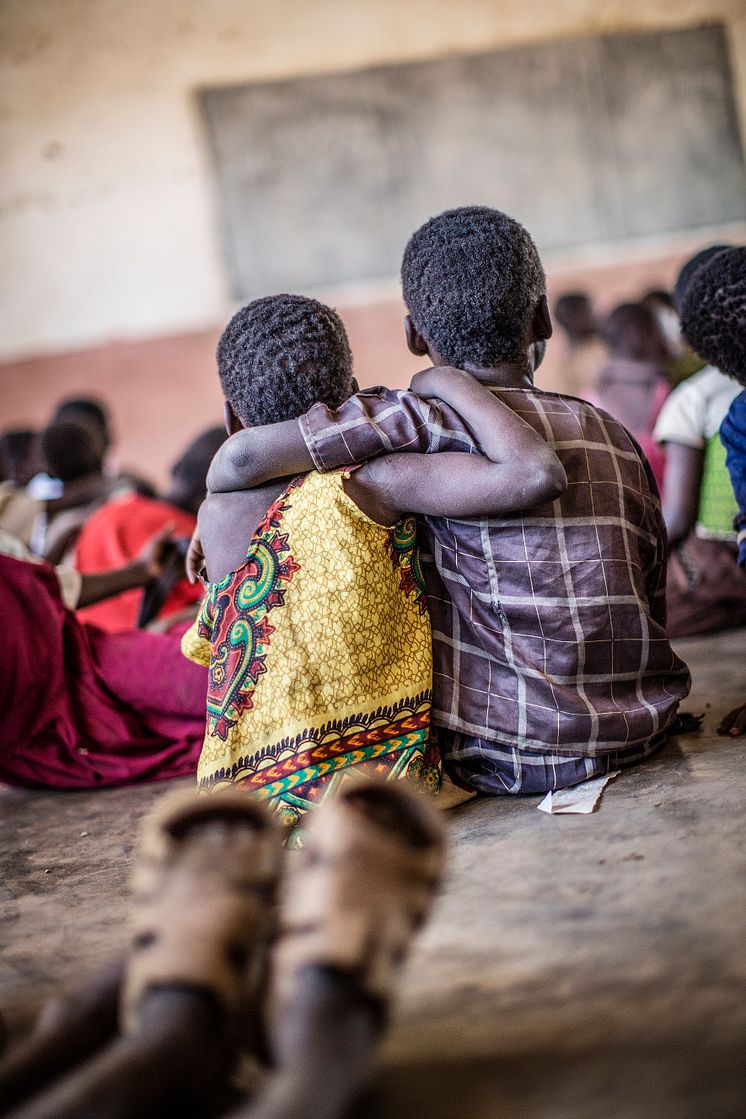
(114, 537)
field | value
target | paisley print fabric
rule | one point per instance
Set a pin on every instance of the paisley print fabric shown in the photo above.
(319, 655)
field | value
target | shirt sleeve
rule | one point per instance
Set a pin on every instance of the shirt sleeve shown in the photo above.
(69, 579)
(378, 421)
(681, 419)
(196, 644)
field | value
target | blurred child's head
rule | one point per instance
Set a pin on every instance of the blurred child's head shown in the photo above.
(632, 331)
(713, 312)
(91, 412)
(661, 303)
(574, 312)
(71, 450)
(474, 288)
(189, 473)
(20, 455)
(280, 355)
(688, 270)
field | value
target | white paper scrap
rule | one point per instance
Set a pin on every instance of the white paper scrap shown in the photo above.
(579, 799)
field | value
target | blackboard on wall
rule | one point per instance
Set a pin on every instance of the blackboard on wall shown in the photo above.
(322, 179)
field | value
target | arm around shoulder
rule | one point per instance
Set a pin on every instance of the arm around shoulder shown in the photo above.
(450, 484)
(519, 468)
(257, 455)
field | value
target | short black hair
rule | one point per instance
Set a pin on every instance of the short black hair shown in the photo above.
(688, 270)
(17, 451)
(472, 281)
(280, 355)
(713, 313)
(631, 330)
(90, 409)
(71, 450)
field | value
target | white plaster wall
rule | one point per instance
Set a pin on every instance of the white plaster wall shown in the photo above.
(107, 227)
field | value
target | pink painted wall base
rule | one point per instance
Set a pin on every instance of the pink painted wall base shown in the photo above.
(162, 391)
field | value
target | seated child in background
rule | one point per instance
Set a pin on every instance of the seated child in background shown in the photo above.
(632, 385)
(20, 460)
(551, 661)
(24, 514)
(74, 454)
(31, 499)
(315, 624)
(20, 455)
(114, 535)
(585, 349)
(706, 589)
(682, 361)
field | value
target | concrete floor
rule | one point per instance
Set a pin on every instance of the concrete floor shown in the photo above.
(575, 966)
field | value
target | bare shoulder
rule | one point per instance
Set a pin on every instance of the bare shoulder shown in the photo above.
(227, 523)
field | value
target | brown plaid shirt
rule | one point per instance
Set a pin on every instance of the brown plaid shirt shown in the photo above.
(548, 625)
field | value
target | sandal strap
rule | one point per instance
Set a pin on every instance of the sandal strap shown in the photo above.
(359, 890)
(203, 900)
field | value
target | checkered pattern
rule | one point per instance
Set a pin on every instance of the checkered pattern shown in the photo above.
(547, 626)
(487, 767)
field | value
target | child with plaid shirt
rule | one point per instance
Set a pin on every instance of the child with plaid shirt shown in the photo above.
(551, 661)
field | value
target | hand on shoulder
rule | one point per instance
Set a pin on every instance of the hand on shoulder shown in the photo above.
(441, 381)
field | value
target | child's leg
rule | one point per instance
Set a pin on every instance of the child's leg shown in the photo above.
(328, 1037)
(204, 914)
(178, 1058)
(357, 892)
(68, 1032)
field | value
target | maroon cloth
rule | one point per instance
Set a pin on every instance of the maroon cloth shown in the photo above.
(81, 708)
(706, 589)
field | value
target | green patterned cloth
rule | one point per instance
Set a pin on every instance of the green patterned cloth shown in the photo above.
(717, 502)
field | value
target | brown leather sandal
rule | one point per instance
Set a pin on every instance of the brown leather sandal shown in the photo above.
(204, 893)
(361, 886)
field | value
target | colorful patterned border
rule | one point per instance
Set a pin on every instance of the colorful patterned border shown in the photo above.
(324, 750)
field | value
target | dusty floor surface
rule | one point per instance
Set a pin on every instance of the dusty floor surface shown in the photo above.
(575, 966)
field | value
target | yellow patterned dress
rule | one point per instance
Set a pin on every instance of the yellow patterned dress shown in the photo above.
(319, 652)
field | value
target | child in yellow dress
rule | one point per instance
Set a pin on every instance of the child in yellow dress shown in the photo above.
(315, 625)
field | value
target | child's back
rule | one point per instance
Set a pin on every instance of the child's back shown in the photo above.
(315, 624)
(549, 625)
(551, 661)
(335, 599)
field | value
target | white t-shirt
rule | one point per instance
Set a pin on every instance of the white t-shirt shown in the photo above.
(19, 511)
(695, 409)
(70, 580)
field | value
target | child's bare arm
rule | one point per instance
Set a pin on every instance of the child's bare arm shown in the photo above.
(517, 469)
(448, 485)
(225, 526)
(372, 423)
(257, 455)
(506, 439)
(378, 422)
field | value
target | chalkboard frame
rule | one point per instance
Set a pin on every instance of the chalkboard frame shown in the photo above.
(322, 178)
